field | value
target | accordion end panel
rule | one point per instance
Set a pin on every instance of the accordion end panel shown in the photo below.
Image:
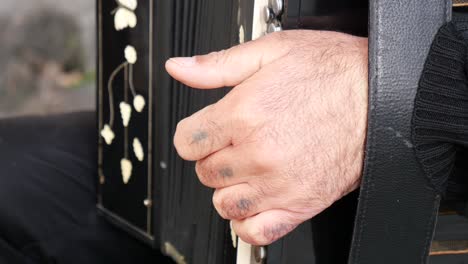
(125, 111)
(144, 187)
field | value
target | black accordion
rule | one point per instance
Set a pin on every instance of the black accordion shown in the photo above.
(145, 188)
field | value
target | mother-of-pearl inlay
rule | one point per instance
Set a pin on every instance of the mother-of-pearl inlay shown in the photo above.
(126, 113)
(130, 4)
(126, 168)
(139, 103)
(124, 18)
(138, 149)
(130, 54)
(107, 134)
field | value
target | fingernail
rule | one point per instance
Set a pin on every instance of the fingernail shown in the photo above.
(184, 61)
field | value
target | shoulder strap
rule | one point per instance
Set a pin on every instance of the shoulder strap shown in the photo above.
(397, 209)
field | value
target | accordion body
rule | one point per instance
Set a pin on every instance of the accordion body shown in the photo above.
(144, 187)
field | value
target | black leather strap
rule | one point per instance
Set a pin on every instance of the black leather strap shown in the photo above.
(397, 209)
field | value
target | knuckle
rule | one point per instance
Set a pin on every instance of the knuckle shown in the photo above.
(222, 60)
(213, 127)
(242, 109)
(265, 187)
(215, 58)
(263, 159)
(222, 57)
(182, 129)
(206, 172)
(274, 233)
(217, 203)
(208, 59)
(180, 140)
(229, 208)
(232, 208)
(184, 150)
(228, 205)
(254, 236)
(245, 118)
(242, 208)
(257, 160)
(194, 138)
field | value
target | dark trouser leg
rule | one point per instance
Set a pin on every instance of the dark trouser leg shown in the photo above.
(10, 255)
(47, 196)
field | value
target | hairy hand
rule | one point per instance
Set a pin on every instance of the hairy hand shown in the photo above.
(288, 140)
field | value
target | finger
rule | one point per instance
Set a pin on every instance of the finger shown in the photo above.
(241, 201)
(203, 133)
(227, 167)
(266, 227)
(228, 67)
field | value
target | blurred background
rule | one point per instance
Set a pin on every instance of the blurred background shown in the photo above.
(47, 56)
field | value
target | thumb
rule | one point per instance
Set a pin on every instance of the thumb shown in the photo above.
(227, 67)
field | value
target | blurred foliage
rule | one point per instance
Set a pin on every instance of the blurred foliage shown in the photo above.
(41, 59)
(50, 36)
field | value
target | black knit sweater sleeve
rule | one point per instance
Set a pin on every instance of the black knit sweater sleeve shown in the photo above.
(440, 119)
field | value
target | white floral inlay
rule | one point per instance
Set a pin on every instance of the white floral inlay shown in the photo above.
(124, 18)
(130, 4)
(126, 113)
(126, 168)
(139, 103)
(130, 54)
(107, 134)
(138, 149)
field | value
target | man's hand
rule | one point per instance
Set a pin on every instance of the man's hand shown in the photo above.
(288, 140)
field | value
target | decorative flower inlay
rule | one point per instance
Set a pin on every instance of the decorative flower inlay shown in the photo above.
(130, 4)
(138, 149)
(139, 103)
(124, 18)
(126, 168)
(130, 54)
(126, 113)
(107, 134)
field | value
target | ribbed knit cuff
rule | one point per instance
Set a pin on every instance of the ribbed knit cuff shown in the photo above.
(440, 118)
